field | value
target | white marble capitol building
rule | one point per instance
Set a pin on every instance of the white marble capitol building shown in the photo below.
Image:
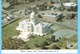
(32, 25)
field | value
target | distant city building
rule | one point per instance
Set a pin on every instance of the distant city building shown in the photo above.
(66, 33)
(69, 4)
(52, 16)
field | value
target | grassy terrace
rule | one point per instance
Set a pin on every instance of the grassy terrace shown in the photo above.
(37, 40)
(9, 30)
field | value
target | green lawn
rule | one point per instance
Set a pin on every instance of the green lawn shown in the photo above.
(37, 40)
(9, 30)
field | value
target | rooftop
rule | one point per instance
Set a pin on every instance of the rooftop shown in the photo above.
(70, 4)
(67, 33)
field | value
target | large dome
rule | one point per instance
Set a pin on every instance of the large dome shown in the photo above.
(32, 15)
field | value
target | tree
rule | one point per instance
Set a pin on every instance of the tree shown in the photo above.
(32, 36)
(55, 47)
(52, 31)
(37, 45)
(48, 40)
(12, 43)
(73, 16)
(24, 46)
(44, 44)
(40, 16)
(53, 38)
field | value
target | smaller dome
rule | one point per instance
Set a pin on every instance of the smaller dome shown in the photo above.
(32, 15)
